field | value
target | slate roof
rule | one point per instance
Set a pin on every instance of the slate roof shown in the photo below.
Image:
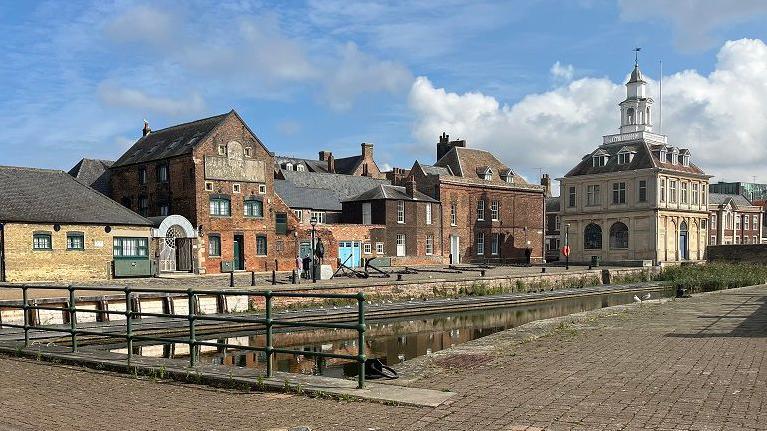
(390, 192)
(51, 196)
(722, 199)
(343, 165)
(93, 172)
(553, 204)
(468, 165)
(646, 157)
(330, 189)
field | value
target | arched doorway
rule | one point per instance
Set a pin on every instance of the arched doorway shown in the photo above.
(684, 243)
(175, 237)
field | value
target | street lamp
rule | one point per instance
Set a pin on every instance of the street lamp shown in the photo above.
(567, 246)
(313, 222)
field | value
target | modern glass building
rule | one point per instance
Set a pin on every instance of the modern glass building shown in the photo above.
(752, 191)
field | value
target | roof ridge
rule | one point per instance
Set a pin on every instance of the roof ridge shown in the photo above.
(26, 168)
(190, 122)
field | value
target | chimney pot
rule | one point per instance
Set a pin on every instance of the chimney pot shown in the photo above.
(147, 130)
(325, 155)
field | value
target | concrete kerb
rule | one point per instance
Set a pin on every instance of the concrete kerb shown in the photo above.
(234, 378)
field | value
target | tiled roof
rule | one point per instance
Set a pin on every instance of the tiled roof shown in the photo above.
(311, 165)
(470, 164)
(646, 157)
(740, 201)
(170, 142)
(553, 204)
(93, 172)
(50, 196)
(336, 187)
(389, 192)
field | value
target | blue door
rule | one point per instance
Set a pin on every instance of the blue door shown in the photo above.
(684, 253)
(350, 253)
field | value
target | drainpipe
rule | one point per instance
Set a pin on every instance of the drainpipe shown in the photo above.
(2, 252)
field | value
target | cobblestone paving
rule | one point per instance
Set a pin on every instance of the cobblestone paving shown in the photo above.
(693, 364)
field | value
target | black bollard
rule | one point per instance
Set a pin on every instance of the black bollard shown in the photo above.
(543, 270)
(231, 279)
(482, 273)
(399, 277)
(294, 277)
(252, 278)
(274, 277)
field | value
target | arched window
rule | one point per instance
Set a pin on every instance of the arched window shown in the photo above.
(592, 237)
(630, 116)
(619, 236)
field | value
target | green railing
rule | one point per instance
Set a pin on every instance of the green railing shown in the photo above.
(192, 317)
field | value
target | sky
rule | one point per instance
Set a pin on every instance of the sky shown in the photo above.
(535, 82)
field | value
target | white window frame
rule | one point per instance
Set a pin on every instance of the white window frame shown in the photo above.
(713, 221)
(453, 214)
(713, 240)
(400, 212)
(663, 190)
(222, 150)
(236, 188)
(494, 210)
(495, 244)
(592, 195)
(428, 212)
(299, 215)
(683, 192)
(480, 243)
(695, 196)
(746, 223)
(429, 245)
(481, 210)
(208, 186)
(262, 189)
(672, 191)
(319, 216)
(367, 248)
(379, 248)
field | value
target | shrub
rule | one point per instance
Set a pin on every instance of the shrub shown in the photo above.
(716, 276)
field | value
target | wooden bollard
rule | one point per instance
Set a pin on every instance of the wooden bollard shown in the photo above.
(294, 277)
(482, 273)
(231, 279)
(543, 270)
(274, 277)
(252, 278)
(399, 277)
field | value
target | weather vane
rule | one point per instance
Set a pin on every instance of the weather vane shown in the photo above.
(636, 56)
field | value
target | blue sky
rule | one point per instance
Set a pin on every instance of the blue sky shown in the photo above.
(537, 82)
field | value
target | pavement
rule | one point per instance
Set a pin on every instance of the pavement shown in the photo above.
(690, 364)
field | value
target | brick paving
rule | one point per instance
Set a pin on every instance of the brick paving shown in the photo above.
(692, 364)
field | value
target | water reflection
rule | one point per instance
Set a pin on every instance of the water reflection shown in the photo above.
(392, 340)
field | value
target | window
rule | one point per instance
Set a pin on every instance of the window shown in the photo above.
(737, 239)
(619, 236)
(262, 189)
(235, 188)
(367, 248)
(557, 223)
(745, 239)
(428, 213)
(453, 214)
(642, 190)
(130, 247)
(255, 208)
(281, 223)
(703, 224)
(619, 193)
(755, 241)
(625, 157)
(480, 244)
(494, 205)
(713, 221)
(592, 237)
(745, 222)
(598, 161)
(248, 152)
(220, 207)
(41, 241)
(592, 195)
(288, 166)
(703, 196)
(401, 244)
(737, 222)
(261, 245)
(756, 221)
(672, 190)
(208, 186)
(214, 245)
(300, 168)
(143, 206)
(299, 215)
(379, 248)
(318, 216)
(683, 192)
(429, 245)
(164, 209)
(367, 213)
(571, 197)
(495, 244)
(400, 211)
(713, 240)
(142, 175)
(75, 241)
(694, 194)
(488, 175)
(162, 173)
(480, 210)
(630, 116)
(222, 150)
(663, 190)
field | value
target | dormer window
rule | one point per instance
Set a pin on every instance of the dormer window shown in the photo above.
(625, 156)
(675, 156)
(686, 160)
(599, 161)
(248, 152)
(489, 175)
(300, 168)
(662, 155)
(288, 166)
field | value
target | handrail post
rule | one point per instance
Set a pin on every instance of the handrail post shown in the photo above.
(128, 324)
(72, 317)
(192, 340)
(24, 308)
(361, 339)
(269, 347)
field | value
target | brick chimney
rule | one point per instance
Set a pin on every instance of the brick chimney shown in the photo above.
(146, 129)
(324, 155)
(445, 144)
(331, 163)
(367, 151)
(410, 186)
(546, 183)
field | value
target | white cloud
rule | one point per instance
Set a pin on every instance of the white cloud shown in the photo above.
(562, 71)
(113, 95)
(694, 21)
(726, 134)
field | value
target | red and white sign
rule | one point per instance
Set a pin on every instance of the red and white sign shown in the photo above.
(566, 250)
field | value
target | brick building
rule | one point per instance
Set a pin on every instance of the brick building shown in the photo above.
(362, 165)
(553, 229)
(209, 187)
(489, 213)
(55, 228)
(413, 222)
(734, 220)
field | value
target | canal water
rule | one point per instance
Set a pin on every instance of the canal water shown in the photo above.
(391, 340)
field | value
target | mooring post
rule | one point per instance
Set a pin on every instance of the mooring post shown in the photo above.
(361, 339)
(274, 277)
(399, 277)
(268, 322)
(192, 340)
(293, 277)
(24, 308)
(252, 278)
(128, 324)
(231, 279)
(543, 270)
(72, 317)
(481, 272)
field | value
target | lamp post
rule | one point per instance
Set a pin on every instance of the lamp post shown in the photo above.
(313, 222)
(567, 246)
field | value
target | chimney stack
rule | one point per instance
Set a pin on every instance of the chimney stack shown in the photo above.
(331, 163)
(367, 151)
(546, 183)
(324, 155)
(410, 186)
(146, 129)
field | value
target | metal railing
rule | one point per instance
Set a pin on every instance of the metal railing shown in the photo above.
(71, 310)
